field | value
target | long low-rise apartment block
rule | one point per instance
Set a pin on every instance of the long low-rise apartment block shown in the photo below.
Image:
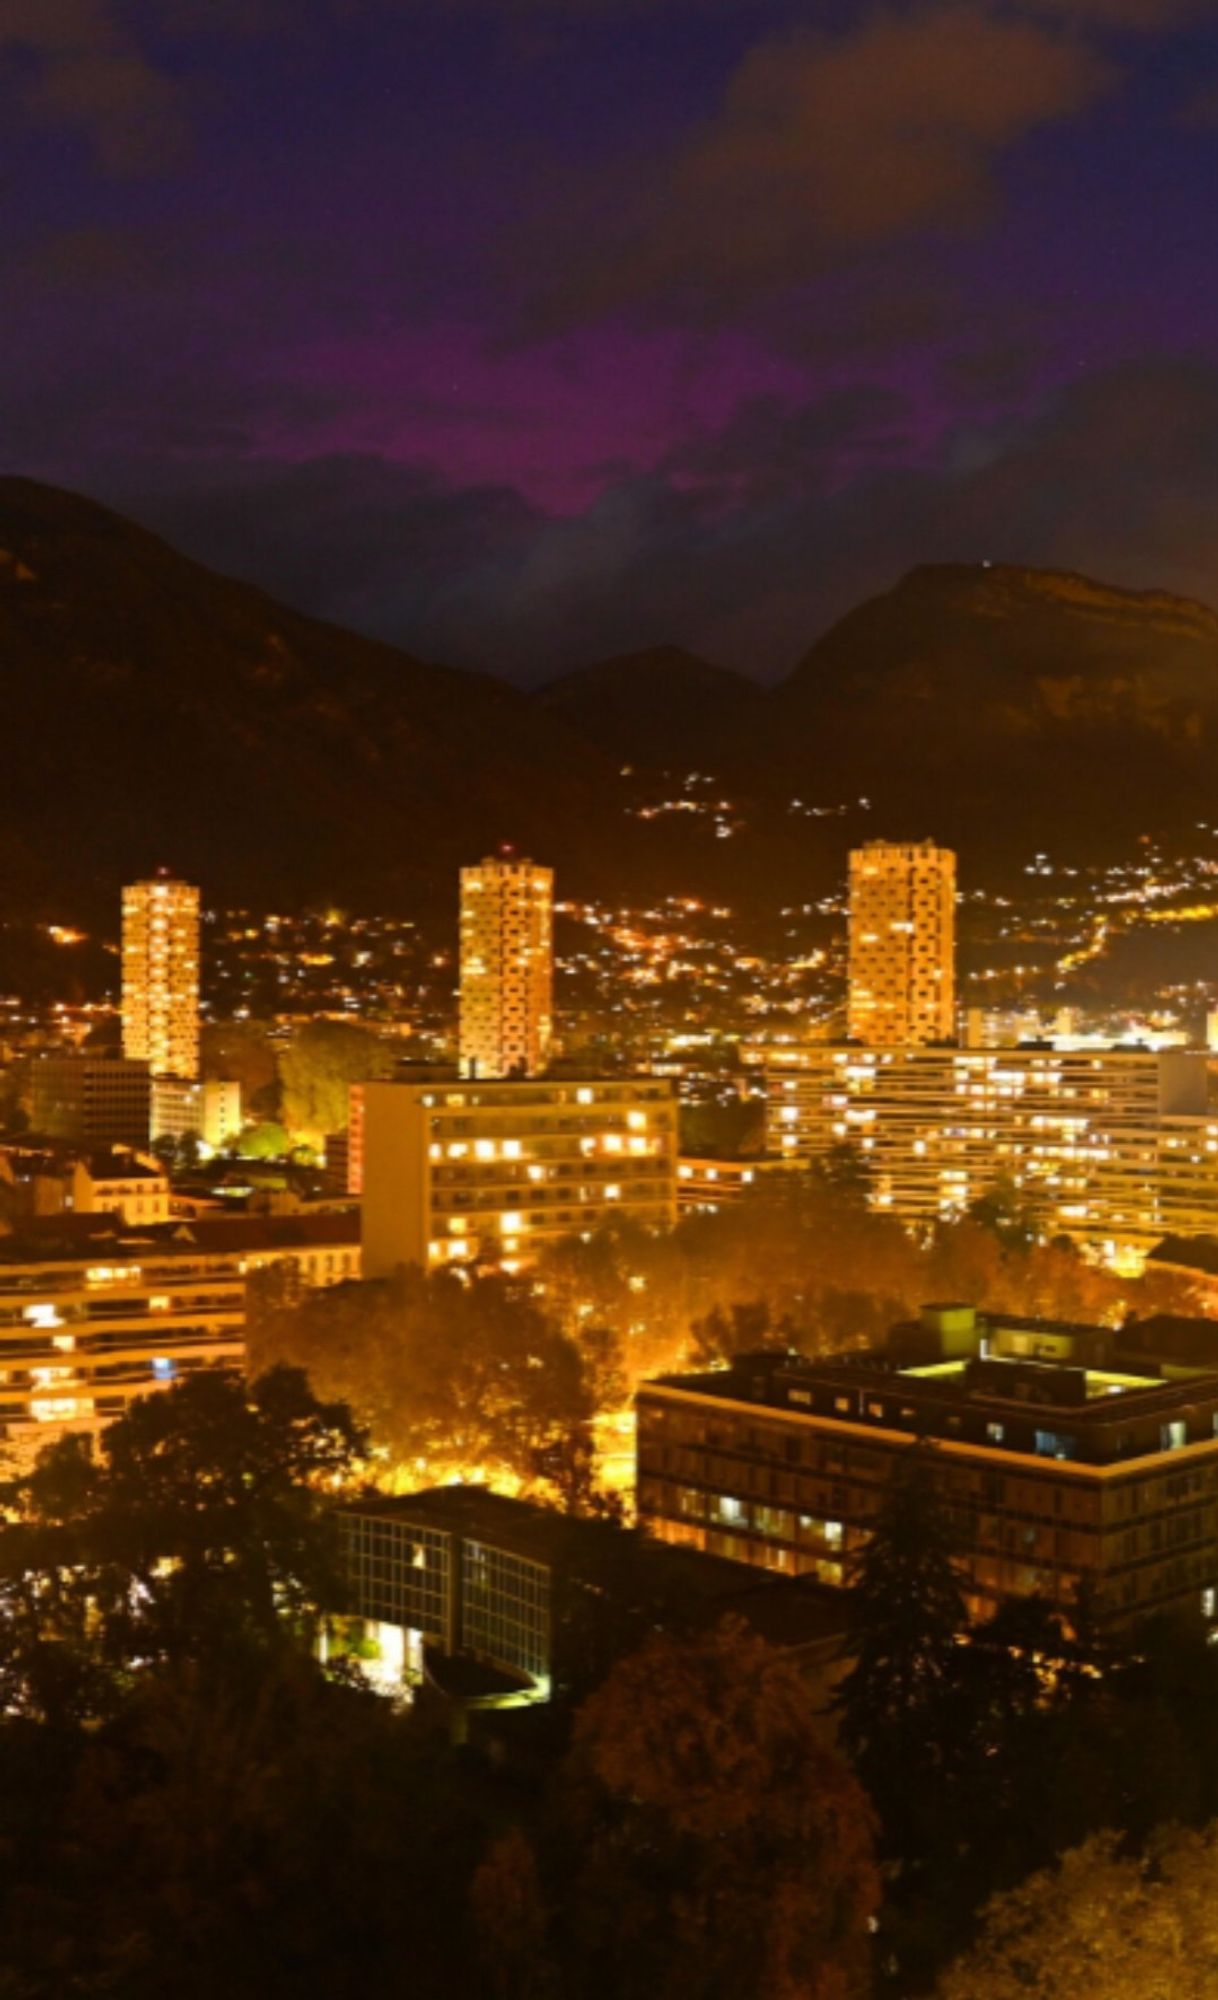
(1069, 1460)
(93, 1314)
(80, 1340)
(490, 1170)
(710, 1184)
(1113, 1147)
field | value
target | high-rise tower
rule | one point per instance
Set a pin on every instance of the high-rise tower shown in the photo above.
(902, 944)
(507, 967)
(161, 976)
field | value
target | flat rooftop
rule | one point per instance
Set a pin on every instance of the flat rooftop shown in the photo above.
(1030, 1409)
(1092, 1382)
(71, 1238)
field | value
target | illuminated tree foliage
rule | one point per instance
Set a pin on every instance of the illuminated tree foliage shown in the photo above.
(242, 1052)
(827, 1272)
(451, 1377)
(745, 1328)
(1103, 1923)
(316, 1071)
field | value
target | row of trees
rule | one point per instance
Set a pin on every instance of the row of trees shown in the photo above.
(1005, 1759)
(189, 1803)
(454, 1377)
(802, 1260)
(477, 1374)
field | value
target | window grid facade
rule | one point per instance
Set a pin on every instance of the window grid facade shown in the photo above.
(399, 1573)
(505, 1608)
(507, 968)
(161, 976)
(1107, 1146)
(490, 1170)
(797, 1492)
(902, 944)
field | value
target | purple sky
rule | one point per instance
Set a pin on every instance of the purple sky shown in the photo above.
(525, 331)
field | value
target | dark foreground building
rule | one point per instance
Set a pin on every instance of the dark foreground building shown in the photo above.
(1063, 1464)
(494, 1602)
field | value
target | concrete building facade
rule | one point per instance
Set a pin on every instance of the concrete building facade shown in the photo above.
(455, 1172)
(161, 976)
(96, 1310)
(92, 1101)
(1058, 1476)
(507, 968)
(1112, 1147)
(207, 1109)
(902, 944)
(711, 1184)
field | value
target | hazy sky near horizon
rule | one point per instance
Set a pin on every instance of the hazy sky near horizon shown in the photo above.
(521, 332)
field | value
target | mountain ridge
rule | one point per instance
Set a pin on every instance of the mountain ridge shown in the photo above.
(158, 712)
(275, 739)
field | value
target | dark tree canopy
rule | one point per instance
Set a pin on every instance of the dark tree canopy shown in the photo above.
(203, 1531)
(723, 1847)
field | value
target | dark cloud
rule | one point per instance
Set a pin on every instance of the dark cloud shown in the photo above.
(1142, 16)
(768, 450)
(1003, 369)
(824, 148)
(77, 63)
(744, 545)
(1201, 112)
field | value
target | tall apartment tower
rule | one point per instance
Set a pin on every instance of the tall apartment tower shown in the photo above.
(902, 944)
(161, 976)
(507, 967)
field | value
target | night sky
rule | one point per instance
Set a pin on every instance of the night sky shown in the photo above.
(524, 333)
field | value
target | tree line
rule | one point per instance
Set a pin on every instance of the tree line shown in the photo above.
(463, 1372)
(191, 1802)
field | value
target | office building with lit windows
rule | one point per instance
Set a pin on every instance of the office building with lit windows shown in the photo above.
(161, 976)
(711, 1184)
(1094, 1473)
(902, 943)
(472, 1593)
(489, 1170)
(507, 968)
(82, 1337)
(97, 1308)
(1112, 1147)
(206, 1109)
(91, 1100)
(459, 1570)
